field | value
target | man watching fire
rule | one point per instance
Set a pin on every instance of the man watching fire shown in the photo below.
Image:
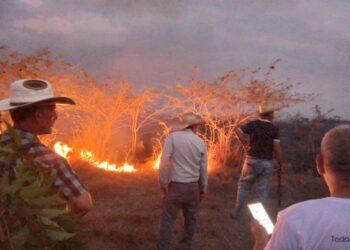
(260, 138)
(320, 224)
(183, 179)
(32, 105)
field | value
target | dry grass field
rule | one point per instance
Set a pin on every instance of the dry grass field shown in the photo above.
(127, 209)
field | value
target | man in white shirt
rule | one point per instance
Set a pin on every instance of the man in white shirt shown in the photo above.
(183, 179)
(320, 224)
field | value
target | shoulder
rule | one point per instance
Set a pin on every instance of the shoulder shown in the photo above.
(46, 155)
(301, 210)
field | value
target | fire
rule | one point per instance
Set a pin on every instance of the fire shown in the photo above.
(157, 162)
(88, 156)
(63, 150)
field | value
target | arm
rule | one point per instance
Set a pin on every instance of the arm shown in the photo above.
(203, 177)
(164, 166)
(277, 152)
(243, 138)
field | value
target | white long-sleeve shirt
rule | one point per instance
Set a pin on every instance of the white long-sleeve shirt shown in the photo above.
(184, 159)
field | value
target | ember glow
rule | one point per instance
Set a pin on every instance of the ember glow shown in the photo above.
(63, 150)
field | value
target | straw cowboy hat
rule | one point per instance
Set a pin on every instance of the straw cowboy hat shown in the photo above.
(26, 92)
(266, 108)
(186, 120)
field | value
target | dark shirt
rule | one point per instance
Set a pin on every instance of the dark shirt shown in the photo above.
(261, 135)
(65, 180)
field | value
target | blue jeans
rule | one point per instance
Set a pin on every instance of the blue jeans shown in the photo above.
(259, 170)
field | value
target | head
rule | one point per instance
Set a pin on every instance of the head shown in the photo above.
(188, 120)
(267, 116)
(266, 112)
(334, 158)
(32, 105)
(37, 118)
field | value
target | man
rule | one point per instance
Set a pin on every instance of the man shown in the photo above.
(32, 106)
(261, 146)
(320, 224)
(183, 179)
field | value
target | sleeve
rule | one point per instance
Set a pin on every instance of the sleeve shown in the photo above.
(203, 178)
(164, 166)
(276, 134)
(284, 236)
(65, 179)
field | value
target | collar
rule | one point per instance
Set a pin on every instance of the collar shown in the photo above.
(23, 134)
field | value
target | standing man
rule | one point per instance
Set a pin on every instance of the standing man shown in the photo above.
(32, 105)
(183, 179)
(320, 224)
(260, 138)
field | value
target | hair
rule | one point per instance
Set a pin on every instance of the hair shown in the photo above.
(266, 115)
(20, 114)
(335, 149)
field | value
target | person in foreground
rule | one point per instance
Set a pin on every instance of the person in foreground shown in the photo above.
(260, 139)
(183, 179)
(321, 224)
(32, 105)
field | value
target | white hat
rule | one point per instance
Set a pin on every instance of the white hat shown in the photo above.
(25, 92)
(186, 120)
(266, 108)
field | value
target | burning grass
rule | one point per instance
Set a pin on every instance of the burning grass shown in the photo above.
(128, 207)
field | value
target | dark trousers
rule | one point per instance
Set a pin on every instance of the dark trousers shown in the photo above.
(184, 196)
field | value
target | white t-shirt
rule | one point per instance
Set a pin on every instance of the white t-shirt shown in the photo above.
(322, 224)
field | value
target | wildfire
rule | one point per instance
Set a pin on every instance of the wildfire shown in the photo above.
(63, 150)
(157, 162)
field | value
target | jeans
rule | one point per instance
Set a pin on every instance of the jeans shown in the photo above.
(183, 196)
(259, 170)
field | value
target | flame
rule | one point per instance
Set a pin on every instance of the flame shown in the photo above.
(157, 162)
(88, 156)
(63, 150)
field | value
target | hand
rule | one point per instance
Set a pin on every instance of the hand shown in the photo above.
(163, 192)
(202, 194)
(259, 234)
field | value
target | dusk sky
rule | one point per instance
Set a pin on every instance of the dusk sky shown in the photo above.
(156, 42)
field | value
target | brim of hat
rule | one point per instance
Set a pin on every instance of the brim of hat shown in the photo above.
(6, 103)
(178, 127)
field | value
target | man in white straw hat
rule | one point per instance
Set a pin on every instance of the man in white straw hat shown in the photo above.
(183, 179)
(32, 106)
(260, 138)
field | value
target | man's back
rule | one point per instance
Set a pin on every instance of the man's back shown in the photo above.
(261, 135)
(320, 224)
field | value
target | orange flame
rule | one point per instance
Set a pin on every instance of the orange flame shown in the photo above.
(88, 156)
(157, 162)
(64, 150)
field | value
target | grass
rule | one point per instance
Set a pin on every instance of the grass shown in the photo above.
(128, 207)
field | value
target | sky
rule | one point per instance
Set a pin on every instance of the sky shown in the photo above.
(156, 42)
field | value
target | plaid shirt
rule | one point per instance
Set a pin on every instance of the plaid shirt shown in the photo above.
(66, 180)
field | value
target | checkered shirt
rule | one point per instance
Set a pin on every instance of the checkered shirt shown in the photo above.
(66, 180)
